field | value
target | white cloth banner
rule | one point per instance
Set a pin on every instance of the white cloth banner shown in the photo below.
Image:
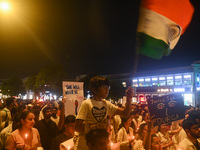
(73, 93)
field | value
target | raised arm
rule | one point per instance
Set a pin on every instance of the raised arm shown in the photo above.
(80, 126)
(62, 116)
(147, 137)
(126, 111)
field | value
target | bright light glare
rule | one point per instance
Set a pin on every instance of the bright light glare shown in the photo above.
(5, 6)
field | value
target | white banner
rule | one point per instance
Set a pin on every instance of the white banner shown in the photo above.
(73, 93)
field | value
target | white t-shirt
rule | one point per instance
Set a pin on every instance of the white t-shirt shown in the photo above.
(5, 114)
(94, 113)
(123, 137)
(56, 120)
(138, 122)
(5, 133)
(138, 145)
(186, 144)
(164, 139)
(117, 121)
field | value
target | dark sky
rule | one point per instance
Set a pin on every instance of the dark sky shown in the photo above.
(85, 36)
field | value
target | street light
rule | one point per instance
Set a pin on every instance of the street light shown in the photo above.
(5, 6)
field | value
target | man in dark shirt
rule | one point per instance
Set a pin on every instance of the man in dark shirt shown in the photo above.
(47, 129)
(68, 134)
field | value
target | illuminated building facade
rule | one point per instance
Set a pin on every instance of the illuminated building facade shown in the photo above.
(184, 80)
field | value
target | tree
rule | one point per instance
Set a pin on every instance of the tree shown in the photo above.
(116, 90)
(49, 78)
(30, 82)
(13, 86)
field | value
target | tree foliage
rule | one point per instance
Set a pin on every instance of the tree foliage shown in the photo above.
(116, 90)
(12, 86)
(49, 78)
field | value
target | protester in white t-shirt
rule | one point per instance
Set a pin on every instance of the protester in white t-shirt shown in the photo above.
(136, 120)
(125, 134)
(116, 122)
(143, 141)
(54, 116)
(165, 139)
(93, 112)
(178, 132)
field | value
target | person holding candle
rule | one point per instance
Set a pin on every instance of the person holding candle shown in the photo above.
(68, 134)
(25, 137)
(125, 134)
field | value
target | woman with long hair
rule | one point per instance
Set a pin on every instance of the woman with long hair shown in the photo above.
(125, 134)
(144, 135)
(25, 137)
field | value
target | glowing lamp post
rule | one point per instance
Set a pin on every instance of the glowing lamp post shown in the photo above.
(5, 6)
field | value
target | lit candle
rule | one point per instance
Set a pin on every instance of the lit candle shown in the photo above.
(133, 137)
(26, 135)
(68, 148)
(111, 144)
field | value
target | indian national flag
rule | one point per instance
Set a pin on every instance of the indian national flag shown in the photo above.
(160, 25)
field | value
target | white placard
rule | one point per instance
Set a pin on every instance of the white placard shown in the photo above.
(73, 93)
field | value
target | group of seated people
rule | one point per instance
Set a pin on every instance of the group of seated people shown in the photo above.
(137, 132)
(21, 130)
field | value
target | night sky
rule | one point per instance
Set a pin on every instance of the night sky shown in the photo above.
(85, 36)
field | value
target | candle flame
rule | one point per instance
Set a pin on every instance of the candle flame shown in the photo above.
(111, 144)
(26, 135)
(133, 137)
(68, 148)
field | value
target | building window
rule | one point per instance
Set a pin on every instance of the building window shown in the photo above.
(135, 82)
(170, 81)
(162, 81)
(141, 82)
(147, 82)
(178, 80)
(187, 79)
(154, 81)
(188, 99)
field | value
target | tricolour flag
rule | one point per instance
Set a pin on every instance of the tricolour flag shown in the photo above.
(160, 25)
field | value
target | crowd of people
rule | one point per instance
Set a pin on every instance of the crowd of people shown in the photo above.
(99, 125)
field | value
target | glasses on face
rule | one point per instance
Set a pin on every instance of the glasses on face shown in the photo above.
(196, 127)
(106, 87)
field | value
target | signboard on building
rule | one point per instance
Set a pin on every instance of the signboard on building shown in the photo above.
(73, 93)
(167, 108)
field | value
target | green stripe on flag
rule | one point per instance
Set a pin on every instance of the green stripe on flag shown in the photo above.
(151, 47)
